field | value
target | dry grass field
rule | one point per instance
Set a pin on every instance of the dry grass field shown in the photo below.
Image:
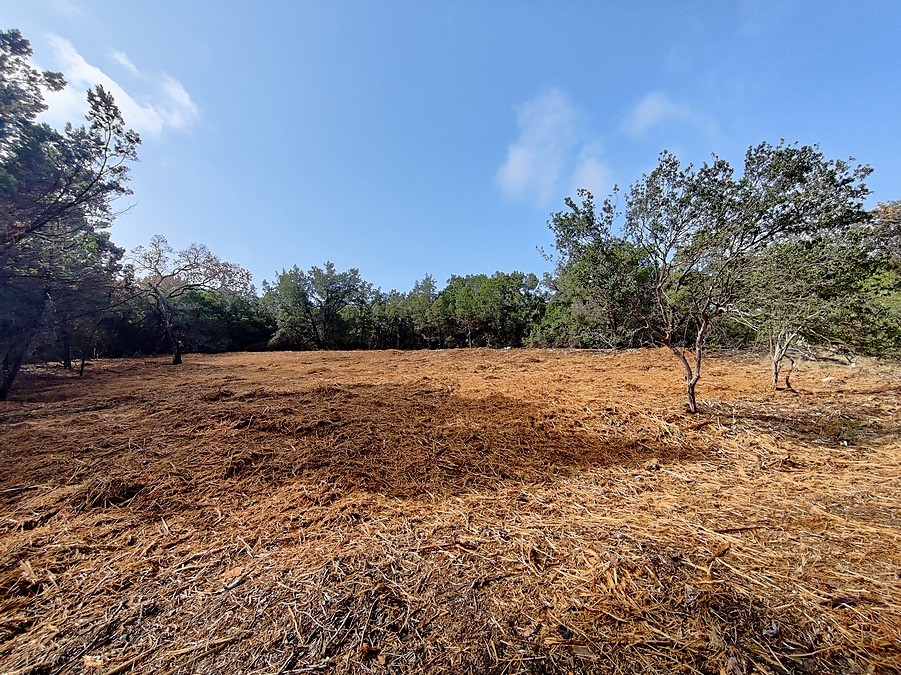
(465, 511)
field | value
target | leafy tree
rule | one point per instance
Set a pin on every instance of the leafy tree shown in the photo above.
(598, 281)
(885, 236)
(425, 315)
(806, 288)
(308, 305)
(514, 303)
(692, 238)
(223, 321)
(165, 277)
(873, 324)
(390, 322)
(86, 271)
(495, 311)
(464, 306)
(56, 194)
(703, 231)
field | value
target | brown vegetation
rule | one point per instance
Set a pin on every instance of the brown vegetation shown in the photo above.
(464, 511)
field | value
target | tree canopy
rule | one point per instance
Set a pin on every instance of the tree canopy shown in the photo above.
(781, 253)
(57, 262)
(692, 240)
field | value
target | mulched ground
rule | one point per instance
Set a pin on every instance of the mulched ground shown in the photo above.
(452, 511)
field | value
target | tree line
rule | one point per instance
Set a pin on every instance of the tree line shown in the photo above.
(781, 253)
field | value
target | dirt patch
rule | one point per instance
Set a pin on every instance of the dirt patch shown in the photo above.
(459, 511)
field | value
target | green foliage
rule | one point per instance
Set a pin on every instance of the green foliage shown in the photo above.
(783, 253)
(495, 311)
(170, 280)
(599, 280)
(309, 307)
(692, 241)
(57, 265)
(872, 324)
(217, 322)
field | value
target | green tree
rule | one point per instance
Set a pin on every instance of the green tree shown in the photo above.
(56, 194)
(223, 321)
(692, 238)
(805, 288)
(599, 280)
(308, 306)
(428, 325)
(873, 324)
(702, 232)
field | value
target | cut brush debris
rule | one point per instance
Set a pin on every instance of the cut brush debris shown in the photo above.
(476, 511)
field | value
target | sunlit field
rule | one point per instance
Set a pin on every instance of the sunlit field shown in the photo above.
(449, 511)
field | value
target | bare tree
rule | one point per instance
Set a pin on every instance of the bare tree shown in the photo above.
(164, 275)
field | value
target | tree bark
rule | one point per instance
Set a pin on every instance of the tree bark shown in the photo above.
(778, 353)
(12, 361)
(690, 388)
(691, 377)
(791, 369)
(15, 355)
(170, 333)
(67, 349)
(777, 366)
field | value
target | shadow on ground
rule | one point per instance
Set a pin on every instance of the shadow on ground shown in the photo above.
(394, 440)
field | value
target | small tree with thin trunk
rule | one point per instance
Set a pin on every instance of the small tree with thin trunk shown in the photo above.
(672, 220)
(164, 276)
(700, 233)
(705, 232)
(804, 289)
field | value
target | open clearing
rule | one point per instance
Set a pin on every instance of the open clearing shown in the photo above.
(453, 511)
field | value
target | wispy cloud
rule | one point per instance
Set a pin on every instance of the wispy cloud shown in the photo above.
(166, 106)
(657, 109)
(591, 172)
(553, 145)
(122, 59)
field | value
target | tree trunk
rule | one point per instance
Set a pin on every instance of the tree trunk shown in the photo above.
(692, 372)
(176, 347)
(86, 349)
(15, 357)
(778, 353)
(691, 377)
(690, 388)
(11, 364)
(67, 350)
(788, 375)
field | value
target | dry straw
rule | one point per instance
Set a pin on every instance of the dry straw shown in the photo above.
(466, 511)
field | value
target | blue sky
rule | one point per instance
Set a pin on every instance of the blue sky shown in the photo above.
(406, 138)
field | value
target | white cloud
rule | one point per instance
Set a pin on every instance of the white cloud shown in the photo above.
(168, 106)
(122, 59)
(591, 172)
(657, 109)
(552, 140)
